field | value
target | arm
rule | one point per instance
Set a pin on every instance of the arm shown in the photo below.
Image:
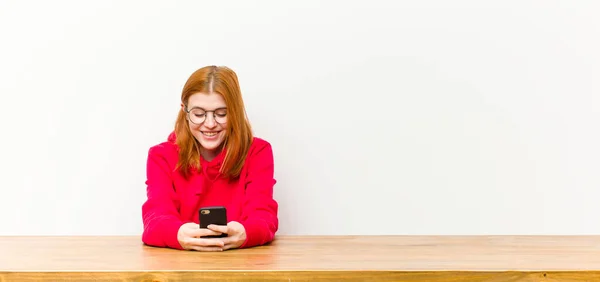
(160, 211)
(259, 215)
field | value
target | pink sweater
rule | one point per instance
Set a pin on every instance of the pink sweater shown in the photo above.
(173, 201)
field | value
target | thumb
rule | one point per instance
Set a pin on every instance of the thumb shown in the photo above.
(190, 226)
(235, 227)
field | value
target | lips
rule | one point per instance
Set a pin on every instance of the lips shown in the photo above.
(210, 133)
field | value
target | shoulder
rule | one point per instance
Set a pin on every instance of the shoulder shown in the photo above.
(259, 146)
(258, 142)
(166, 149)
(260, 151)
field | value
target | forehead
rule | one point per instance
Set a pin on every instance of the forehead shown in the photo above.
(207, 101)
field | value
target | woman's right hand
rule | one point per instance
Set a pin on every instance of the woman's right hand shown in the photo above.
(189, 238)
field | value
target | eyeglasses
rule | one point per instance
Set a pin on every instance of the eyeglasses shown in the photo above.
(198, 115)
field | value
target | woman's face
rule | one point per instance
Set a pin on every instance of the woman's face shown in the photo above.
(207, 119)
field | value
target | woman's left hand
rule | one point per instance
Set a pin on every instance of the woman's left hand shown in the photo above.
(236, 234)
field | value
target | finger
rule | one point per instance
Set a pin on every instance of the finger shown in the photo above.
(201, 232)
(229, 242)
(199, 242)
(207, 249)
(191, 225)
(227, 247)
(230, 245)
(219, 228)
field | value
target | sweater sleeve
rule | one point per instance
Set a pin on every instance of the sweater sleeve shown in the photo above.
(160, 210)
(259, 215)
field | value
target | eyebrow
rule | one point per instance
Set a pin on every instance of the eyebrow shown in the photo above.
(200, 108)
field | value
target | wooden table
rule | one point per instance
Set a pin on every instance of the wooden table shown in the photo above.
(308, 258)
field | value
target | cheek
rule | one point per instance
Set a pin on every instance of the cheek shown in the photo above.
(193, 127)
(225, 131)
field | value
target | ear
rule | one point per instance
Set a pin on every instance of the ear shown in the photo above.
(183, 110)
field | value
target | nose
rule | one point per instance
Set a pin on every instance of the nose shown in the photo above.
(210, 121)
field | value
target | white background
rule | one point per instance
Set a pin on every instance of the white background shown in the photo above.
(386, 117)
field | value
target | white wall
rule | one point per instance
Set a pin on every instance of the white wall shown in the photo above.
(386, 117)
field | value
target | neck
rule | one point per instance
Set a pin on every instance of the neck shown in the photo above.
(209, 155)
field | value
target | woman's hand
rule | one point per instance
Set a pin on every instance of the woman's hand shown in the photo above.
(236, 234)
(189, 238)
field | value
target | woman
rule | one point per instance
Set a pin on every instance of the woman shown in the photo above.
(211, 159)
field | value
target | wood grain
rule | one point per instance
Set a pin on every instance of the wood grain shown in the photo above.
(439, 276)
(304, 258)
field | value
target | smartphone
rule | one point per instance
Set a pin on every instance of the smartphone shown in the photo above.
(212, 215)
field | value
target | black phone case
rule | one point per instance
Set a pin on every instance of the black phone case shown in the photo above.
(212, 215)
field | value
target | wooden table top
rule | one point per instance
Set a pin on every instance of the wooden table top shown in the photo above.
(348, 257)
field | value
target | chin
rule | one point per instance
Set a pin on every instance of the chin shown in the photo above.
(210, 143)
(210, 146)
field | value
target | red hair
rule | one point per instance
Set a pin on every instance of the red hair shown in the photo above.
(223, 81)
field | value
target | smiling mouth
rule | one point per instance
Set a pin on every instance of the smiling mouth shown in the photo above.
(210, 133)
